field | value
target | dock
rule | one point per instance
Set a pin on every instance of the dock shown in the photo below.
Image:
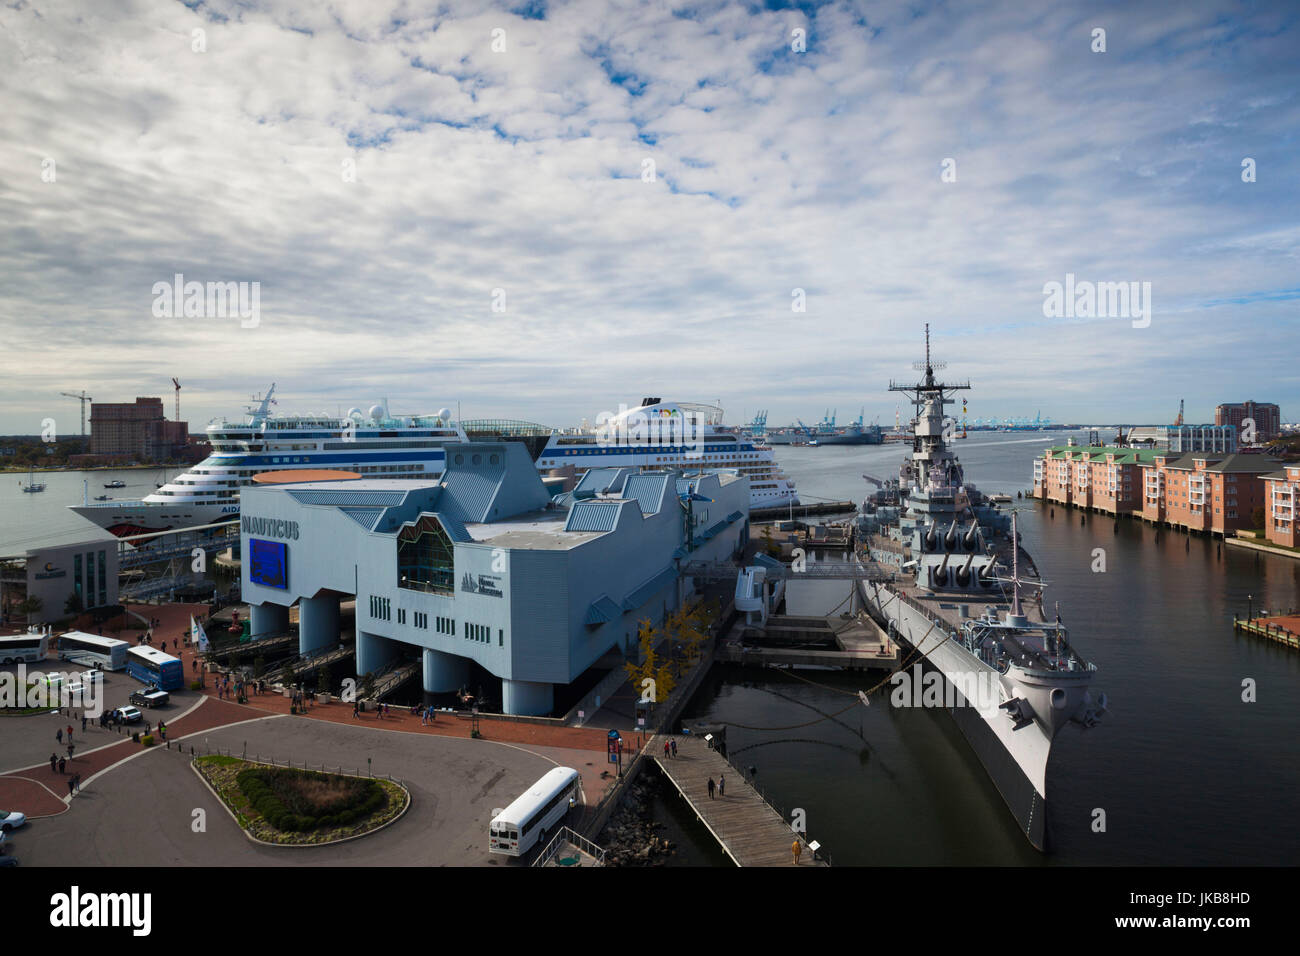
(1282, 628)
(780, 512)
(851, 643)
(746, 826)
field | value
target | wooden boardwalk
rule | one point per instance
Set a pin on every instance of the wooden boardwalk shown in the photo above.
(746, 826)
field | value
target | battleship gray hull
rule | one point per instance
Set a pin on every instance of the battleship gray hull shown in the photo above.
(1009, 676)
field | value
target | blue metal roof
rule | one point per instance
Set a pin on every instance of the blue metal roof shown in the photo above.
(593, 516)
(648, 490)
(368, 518)
(735, 516)
(766, 561)
(598, 480)
(602, 610)
(648, 590)
(469, 494)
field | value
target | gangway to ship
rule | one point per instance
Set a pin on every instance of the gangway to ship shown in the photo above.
(809, 571)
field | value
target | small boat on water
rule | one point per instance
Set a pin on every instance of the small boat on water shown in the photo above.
(115, 483)
(32, 486)
(103, 498)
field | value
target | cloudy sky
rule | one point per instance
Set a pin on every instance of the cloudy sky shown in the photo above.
(388, 172)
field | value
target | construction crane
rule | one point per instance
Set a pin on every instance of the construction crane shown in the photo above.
(1179, 419)
(83, 398)
(178, 399)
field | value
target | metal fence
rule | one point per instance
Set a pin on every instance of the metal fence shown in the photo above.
(196, 750)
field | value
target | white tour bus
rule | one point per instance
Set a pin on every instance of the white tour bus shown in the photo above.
(25, 648)
(514, 830)
(81, 648)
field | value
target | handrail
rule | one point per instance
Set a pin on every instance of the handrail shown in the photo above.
(566, 835)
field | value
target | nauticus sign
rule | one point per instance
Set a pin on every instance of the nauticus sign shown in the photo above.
(269, 527)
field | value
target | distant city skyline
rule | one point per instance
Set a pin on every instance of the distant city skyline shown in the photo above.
(542, 213)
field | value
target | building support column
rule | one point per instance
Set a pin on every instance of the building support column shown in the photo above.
(268, 620)
(527, 698)
(373, 652)
(443, 672)
(318, 623)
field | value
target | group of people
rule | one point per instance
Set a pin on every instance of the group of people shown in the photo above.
(427, 715)
(60, 765)
(721, 786)
(670, 747)
(234, 688)
(380, 710)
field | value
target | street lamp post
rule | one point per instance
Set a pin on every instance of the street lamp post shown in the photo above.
(1249, 605)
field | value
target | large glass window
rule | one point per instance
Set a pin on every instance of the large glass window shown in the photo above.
(425, 557)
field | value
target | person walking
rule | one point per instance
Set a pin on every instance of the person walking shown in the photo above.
(58, 735)
(711, 785)
(83, 723)
(356, 708)
(667, 748)
(796, 848)
(70, 748)
(63, 765)
(69, 733)
(54, 763)
(71, 782)
(722, 785)
(76, 783)
(674, 743)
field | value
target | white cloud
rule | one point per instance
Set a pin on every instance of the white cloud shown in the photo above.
(521, 170)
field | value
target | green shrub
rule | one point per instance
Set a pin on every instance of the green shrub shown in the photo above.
(195, 685)
(282, 798)
(147, 740)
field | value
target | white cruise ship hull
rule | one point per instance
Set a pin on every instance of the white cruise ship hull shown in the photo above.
(1015, 759)
(127, 518)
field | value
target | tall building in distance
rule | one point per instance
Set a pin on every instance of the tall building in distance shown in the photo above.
(1186, 438)
(137, 431)
(1267, 418)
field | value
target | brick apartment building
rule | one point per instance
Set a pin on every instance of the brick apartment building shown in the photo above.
(1199, 491)
(1282, 488)
(1092, 476)
(1267, 418)
(136, 431)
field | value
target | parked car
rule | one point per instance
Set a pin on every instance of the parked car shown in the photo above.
(11, 820)
(129, 715)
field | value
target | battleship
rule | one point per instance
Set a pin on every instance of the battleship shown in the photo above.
(956, 602)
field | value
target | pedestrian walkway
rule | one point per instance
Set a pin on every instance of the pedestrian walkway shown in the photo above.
(100, 748)
(744, 824)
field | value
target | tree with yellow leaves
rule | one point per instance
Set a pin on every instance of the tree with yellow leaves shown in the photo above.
(653, 676)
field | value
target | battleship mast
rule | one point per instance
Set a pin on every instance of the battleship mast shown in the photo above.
(929, 450)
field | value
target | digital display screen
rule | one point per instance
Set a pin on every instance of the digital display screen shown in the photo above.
(268, 563)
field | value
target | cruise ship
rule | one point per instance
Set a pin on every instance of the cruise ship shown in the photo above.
(374, 443)
(684, 435)
(1011, 677)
